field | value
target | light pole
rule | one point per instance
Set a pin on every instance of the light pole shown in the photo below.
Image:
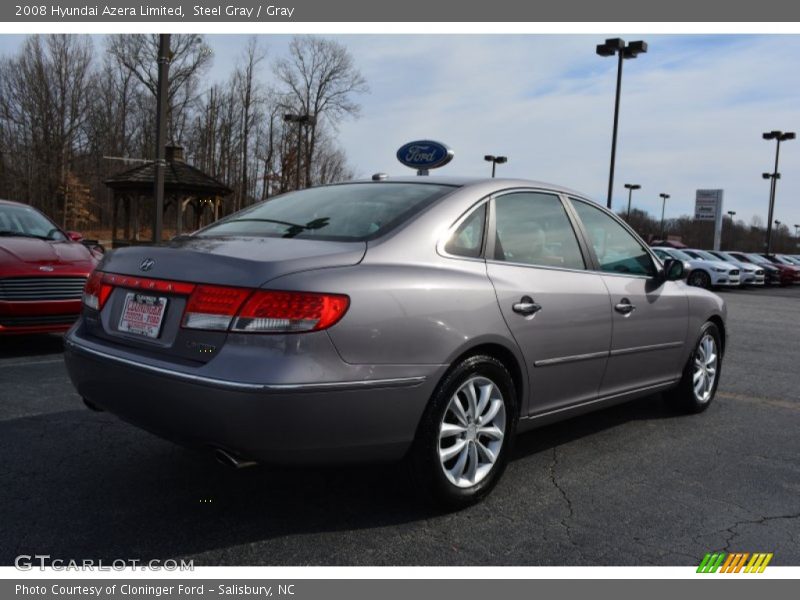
(630, 187)
(162, 99)
(301, 120)
(663, 209)
(731, 214)
(495, 160)
(778, 136)
(632, 50)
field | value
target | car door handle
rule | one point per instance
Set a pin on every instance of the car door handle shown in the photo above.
(624, 307)
(526, 306)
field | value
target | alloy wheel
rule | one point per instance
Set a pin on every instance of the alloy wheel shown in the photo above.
(472, 431)
(705, 368)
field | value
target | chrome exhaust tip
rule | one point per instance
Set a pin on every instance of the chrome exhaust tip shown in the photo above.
(229, 460)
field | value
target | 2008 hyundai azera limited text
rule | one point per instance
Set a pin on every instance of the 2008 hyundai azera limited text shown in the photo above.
(426, 319)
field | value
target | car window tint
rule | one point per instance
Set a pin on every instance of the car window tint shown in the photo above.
(468, 238)
(616, 249)
(345, 212)
(533, 228)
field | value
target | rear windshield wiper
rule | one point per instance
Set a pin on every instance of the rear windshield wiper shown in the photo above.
(8, 233)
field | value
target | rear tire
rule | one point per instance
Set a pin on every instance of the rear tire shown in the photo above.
(466, 433)
(698, 278)
(700, 379)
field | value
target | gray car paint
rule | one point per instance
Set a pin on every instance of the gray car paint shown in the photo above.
(357, 390)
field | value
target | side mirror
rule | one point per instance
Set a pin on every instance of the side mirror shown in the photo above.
(74, 236)
(674, 270)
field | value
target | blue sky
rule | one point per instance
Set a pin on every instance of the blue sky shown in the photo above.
(693, 110)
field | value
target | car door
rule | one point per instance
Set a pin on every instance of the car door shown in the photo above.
(650, 316)
(556, 309)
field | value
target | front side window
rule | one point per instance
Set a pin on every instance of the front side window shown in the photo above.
(616, 249)
(533, 228)
(661, 254)
(345, 212)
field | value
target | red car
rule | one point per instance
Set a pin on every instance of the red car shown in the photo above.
(42, 272)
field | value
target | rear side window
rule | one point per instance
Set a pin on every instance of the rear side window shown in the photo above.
(533, 228)
(346, 212)
(467, 240)
(616, 249)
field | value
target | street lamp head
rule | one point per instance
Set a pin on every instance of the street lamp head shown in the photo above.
(664, 196)
(638, 47)
(778, 223)
(489, 158)
(789, 135)
(632, 186)
(771, 135)
(501, 160)
(615, 43)
(731, 213)
(603, 50)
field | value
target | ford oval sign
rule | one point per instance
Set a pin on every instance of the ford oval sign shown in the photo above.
(424, 154)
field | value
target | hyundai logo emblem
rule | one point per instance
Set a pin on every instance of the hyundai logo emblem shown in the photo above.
(147, 264)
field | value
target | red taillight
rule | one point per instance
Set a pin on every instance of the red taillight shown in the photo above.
(222, 308)
(275, 312)
(213, 306)
(96, 291)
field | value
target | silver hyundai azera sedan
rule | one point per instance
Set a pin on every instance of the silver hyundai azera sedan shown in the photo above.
(426, 319)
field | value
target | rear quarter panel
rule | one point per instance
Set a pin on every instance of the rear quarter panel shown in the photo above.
(411, 314)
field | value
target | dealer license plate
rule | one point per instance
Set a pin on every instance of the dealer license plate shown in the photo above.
(142, 314)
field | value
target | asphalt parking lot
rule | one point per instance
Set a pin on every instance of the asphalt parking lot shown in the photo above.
(632, 485)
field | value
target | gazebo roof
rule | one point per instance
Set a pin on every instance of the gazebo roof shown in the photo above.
(178, 177)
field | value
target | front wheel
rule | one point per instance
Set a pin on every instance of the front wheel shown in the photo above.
(465, 435)
(698, 385)
(699, 279)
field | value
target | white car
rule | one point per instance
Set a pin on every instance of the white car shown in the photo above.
(751, 274)
(703, 273)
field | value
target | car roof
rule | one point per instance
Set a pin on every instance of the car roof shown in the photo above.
(11, 202)
(500, 182)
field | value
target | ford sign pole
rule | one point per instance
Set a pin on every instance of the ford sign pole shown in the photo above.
(424, 155)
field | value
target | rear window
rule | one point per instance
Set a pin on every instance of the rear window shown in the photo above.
(345, 212)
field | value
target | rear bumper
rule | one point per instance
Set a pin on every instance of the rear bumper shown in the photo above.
(304, 423)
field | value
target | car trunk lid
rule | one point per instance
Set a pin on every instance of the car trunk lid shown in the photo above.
(139, 284)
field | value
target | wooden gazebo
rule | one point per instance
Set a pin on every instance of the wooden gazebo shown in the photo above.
(184, 186)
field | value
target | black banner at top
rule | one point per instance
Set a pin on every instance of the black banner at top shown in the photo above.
(255, 11)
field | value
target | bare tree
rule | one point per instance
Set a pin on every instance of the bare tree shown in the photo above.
(190, 57)
(250, 97)
(319, 78)
(45, 92)
(63, 109)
